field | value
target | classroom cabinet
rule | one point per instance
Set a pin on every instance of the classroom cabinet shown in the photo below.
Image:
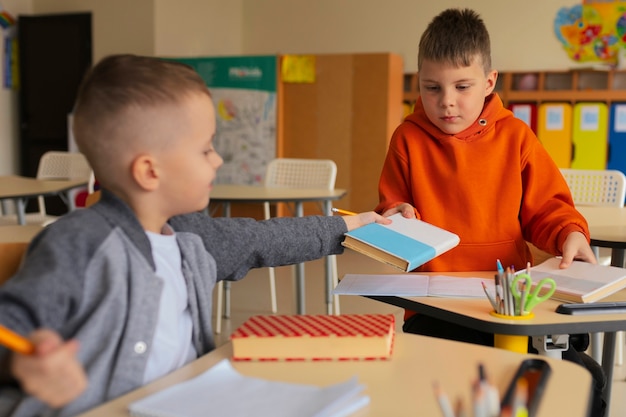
(578, 115)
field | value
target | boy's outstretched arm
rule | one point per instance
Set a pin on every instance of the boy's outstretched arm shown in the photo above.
(361, 219)
(52, 373)
(576, 247)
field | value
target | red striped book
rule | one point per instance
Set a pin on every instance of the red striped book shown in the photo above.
(314, 337)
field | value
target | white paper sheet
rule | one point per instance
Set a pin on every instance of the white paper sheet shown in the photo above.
(222, 391)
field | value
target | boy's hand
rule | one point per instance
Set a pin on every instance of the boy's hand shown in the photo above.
(406, 209)
(576, 247)
(53, 373)
(364, 218)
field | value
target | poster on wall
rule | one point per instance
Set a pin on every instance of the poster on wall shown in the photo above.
(244, 94)
(593, 31)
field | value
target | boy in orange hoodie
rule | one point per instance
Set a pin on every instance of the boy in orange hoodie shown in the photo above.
(463, 162)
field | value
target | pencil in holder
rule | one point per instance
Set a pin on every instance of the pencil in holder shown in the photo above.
(514, 343)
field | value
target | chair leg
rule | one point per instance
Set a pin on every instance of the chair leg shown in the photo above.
(218, 307)
(266, 213)
(619, 350)
(273, 289)
(335, 274)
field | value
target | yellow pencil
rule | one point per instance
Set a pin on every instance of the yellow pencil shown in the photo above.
(346, 212)
(15, 342)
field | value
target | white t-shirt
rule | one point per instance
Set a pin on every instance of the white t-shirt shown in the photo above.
(172, 346)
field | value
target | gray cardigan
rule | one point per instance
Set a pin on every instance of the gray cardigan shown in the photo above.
(90, 276)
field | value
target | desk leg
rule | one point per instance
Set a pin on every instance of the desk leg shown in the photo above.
(617, 257)
(608, 361)
(300, 302)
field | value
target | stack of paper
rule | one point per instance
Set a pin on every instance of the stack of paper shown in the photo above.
(222, 391)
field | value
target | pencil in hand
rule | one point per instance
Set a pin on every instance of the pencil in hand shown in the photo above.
(341, 211)
(15, 342)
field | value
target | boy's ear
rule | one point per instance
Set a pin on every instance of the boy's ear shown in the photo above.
(145, 173)
(492, 77)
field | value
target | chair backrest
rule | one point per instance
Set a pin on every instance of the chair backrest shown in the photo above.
(301, 173)
(59, 165)
(63, 165)
(596, 187)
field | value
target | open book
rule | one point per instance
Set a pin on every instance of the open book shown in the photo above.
(404, 244)
(582, 282)
(413, 285)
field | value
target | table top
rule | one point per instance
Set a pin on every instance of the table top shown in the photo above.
(255, 194)
(475, 313)
(402, 385)
(14, 186)
(19, 233)
(607, 225)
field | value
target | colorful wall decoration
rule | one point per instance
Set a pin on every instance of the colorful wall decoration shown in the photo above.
(594, 31)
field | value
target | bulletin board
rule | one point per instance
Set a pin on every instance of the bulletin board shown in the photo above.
(243, 89)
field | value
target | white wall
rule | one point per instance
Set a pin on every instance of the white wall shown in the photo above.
(198, 28)
(521, 33)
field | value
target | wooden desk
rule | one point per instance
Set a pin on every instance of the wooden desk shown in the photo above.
(401, 386)
(607, 227)
(17, 233)
(475, 314)
(227, 194)
(20, 189)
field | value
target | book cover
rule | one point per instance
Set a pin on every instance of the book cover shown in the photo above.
(314, 337)
(582, 282)
(404, 244)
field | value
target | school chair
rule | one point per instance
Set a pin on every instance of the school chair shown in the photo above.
(599, 188)
(291, 173)
(54, 165)
(11, 254)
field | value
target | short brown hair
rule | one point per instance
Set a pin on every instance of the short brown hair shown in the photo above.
(113, 88)
(456, 37)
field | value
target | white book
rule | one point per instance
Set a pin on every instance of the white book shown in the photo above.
(404, 244)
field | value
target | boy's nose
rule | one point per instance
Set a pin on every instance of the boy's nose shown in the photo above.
(447, 99)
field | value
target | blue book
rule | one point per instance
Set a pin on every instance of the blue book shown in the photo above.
(405, 243)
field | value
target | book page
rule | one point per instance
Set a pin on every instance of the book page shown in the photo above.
(446, 286)
(412, 285)
(391, 284)
(580, 278)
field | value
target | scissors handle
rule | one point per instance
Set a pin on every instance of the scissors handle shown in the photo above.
(535, 297)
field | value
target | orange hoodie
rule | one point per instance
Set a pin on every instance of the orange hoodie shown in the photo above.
(492, 184)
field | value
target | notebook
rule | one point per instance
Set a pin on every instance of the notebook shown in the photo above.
(222, 391)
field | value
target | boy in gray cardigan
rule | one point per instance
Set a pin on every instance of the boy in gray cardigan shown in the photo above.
(119, 294)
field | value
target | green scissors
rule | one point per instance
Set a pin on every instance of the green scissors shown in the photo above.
(527, 300)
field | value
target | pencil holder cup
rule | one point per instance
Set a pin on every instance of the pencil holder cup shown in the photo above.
(514, 343)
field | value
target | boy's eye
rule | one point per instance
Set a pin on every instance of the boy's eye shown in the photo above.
(462, 87)
(431, 87)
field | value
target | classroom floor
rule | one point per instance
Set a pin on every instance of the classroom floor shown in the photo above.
(251, 296)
